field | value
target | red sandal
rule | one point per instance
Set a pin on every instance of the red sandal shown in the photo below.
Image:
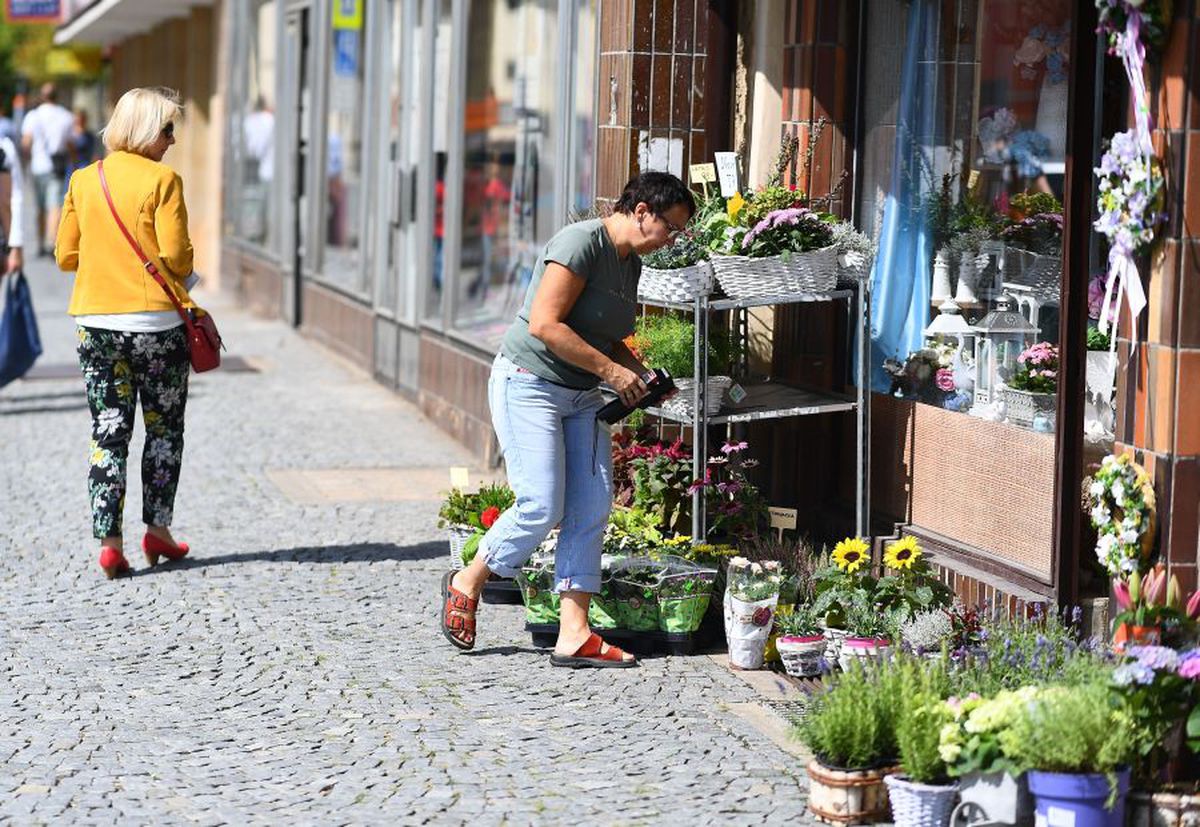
(590, 656)
(458, 615)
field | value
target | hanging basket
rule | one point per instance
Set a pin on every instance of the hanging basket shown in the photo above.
(742, 277)
(920, 805)
(683, 402)
(458, 535)
(682, 284)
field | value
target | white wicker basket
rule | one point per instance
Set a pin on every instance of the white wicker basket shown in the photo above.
(683, 284)
(683, 402)
(1023, 406)
(802, 657)
(459, 535)
(742, 277)
(920, 805)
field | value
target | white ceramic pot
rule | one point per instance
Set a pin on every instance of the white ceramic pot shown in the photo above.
(864, 650)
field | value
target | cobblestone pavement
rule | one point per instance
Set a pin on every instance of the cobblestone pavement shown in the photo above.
(291, 670)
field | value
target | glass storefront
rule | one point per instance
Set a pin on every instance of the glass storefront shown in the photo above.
(250, 213)
(963, 178)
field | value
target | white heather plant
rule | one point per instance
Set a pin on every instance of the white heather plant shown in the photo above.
(926, 631)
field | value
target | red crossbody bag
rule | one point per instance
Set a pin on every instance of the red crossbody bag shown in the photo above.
(204, 342)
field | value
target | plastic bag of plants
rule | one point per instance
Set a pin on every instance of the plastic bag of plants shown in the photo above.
(634, 590)
(536, 581)
(602, 612)
(750, 601)
(683, 596)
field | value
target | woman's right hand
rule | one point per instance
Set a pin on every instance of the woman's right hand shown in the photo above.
(628, 385)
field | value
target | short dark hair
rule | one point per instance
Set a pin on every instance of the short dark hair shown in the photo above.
(659, 190)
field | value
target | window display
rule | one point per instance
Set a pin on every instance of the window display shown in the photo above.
(967, 205)
(252, 125)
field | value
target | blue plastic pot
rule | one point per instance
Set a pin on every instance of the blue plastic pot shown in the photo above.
(1070, 800)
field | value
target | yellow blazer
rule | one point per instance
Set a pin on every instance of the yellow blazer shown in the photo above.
(109, 277)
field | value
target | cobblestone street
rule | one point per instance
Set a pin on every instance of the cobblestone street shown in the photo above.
(291, 670)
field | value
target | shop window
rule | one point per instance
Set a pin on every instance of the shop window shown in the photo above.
(252, 140)
(442, 260)
(963, 178)
(341, 225)
(512, 128)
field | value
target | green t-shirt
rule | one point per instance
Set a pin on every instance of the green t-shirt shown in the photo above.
(603, 315)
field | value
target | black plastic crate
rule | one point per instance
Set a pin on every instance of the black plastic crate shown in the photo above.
(544, 636)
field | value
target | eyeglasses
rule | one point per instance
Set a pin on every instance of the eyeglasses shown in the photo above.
(672, 230)
(169, 130)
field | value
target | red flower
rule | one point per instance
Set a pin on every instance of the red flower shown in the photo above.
(489, 516)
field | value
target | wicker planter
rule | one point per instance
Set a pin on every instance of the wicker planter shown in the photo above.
(833, 643)
(683, 403)
(803, 657)
(1163, 809)
(1023, 406)
(742, 277)
(458, 535)
(864, 650)
(683, 284)
(847, 796)
(920, 805)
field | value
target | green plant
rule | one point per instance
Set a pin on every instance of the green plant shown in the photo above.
(1037, 369)
(668, 341)
(661, 476)
(785, 231)
(911, 585)
(850, 724)
(767, 200)
(1097, 340)
(802, 621)
(920, 719)
(751, 582)
(843, 581)
(1025, 204)
(1071, 729)
(866, 620)
(631, 531)
(795, 554)
(737, 507)
(686, 250)
(971, 742)
(1041, 233)
(458, 508)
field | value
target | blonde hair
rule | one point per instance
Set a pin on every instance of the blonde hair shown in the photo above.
(140, 117)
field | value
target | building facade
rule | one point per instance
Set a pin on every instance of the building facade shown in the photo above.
(382, 173)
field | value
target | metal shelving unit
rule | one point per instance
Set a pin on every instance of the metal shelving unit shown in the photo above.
(776, 400)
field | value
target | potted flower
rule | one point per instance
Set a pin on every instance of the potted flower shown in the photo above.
(1146, 608)
(1077, 745)
(971, 744)
(910, 585)
(844, 581)
(1159, 688)
(801, 642)
(869, 633)
(850, 728)
(927, 633)
(1032, 388)
(683, 597)
(790, 250)
(736, 507)
(467, 517)
(634, 587)
(678, 272)
(668, 341)
(923, 794)
(750, 599)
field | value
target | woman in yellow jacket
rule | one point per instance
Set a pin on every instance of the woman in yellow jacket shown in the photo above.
(131, 340)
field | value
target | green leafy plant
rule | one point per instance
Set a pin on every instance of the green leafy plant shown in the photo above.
(631, 531)
(751, 582)
(802, 621)
(785, 231)
(867, 621)
(686, 250)
(851, 723)
(1097, 340)
(767, 200)
(910, 585)
(971, 742)
(795, 554)
(843, 581)
(661, 475)
(1025, 204)
(921, 717)
(668, 341)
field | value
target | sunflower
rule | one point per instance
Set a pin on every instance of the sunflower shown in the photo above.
(850, 554)
(902, 553)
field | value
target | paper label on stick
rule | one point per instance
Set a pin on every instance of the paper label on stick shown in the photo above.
(782, 518)
(460, 477)
(703, 173)
(727, 172)
(737, 393)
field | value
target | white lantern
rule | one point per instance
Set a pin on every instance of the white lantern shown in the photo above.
(1000, 337)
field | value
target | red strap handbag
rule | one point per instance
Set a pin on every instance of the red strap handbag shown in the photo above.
(204, 342)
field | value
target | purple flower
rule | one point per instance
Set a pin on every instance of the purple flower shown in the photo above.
(1159, 658)
(1189, 665)
(1131, 673)
(733, 447)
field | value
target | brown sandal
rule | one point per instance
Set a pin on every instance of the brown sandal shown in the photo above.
(589, 655)
(458, 615)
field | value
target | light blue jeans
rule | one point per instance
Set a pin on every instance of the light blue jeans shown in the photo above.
(559, 460)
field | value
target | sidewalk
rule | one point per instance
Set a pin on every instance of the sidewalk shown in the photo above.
(291, 670)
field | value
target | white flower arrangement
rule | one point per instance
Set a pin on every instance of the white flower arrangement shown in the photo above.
(1122, 513)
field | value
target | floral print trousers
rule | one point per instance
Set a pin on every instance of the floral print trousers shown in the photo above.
(118, 368)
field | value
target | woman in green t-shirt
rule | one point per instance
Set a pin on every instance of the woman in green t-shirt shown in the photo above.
(544, 395)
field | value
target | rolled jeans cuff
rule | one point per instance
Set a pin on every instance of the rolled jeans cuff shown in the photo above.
(589, 583)
(496, 566)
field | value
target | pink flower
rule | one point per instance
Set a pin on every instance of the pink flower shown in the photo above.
(1190, 668)
(1193, 605)
(945, 379)
(1121, 594)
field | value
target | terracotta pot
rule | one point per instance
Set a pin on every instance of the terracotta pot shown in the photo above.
(847, 796)
(1126, 634)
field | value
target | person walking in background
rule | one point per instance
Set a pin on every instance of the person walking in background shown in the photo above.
(566, 339)
(132, 343)
(46, 137)
(14, 227)
(8, 127)
(83, 144)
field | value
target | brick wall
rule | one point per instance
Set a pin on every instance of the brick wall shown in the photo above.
(1158, 400)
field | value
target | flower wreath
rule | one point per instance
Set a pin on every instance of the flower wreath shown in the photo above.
(1153, 18)
(1123, 514)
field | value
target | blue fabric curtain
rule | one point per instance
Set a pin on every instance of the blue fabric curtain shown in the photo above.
(900, 277)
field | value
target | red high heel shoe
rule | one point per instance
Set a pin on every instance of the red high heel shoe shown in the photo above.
(154, 548)
(113, 562)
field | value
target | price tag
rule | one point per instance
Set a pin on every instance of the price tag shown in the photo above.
(782, 518)
(737, 393)
(727, 172)
(460, 477)
(703, 173)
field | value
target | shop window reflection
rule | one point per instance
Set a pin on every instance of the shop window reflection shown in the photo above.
(253, 138)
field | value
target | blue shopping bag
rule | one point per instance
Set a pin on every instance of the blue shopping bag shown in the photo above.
(20, 345)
